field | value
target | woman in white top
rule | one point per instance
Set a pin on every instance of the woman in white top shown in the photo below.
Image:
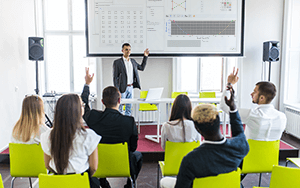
(30, 125)
(180, 127)
(69, 147)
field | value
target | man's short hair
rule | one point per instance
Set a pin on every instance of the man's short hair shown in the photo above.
(267, 89)
(206, 119)
(110, 96)
(125, 44)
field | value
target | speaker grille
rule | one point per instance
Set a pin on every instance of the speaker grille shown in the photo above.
(36, 48)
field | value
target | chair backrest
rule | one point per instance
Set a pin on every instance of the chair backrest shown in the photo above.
(113, 160)
(175, 94)
(146, 106)
(174, 153)
(285, 177)
(226, 180)
(1, 182)
(262, 156)
(64, 181)
(26, 160)
(207, 94)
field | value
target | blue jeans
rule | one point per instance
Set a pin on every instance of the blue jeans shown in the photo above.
(127, 95)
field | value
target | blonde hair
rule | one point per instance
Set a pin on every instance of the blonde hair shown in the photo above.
(204, 113)
(32, 116)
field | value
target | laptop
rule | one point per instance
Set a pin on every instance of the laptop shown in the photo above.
(153, 94)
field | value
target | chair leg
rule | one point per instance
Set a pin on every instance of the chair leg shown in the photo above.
(12, 182)
(259, 180)
(30, 183)
(158, 175)
(286, 162)
(139, 126)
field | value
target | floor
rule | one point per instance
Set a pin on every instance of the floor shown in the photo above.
(148, 174)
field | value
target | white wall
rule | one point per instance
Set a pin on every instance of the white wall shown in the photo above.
(263, 23)
(17, 24)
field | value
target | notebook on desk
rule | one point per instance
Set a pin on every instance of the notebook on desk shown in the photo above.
(153, 94)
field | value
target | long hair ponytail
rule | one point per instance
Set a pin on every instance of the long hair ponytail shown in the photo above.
(32, 116)
(182, 108)
(67, 121)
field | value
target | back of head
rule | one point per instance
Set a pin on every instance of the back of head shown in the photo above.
(181, 108)
(32, 116)
(206, 119)
(267, 89)
(67, 121)
(110, 96)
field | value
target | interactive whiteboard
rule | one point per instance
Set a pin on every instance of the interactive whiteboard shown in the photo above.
(166, 27)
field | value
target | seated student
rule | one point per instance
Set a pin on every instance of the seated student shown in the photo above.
(263, 122)
(180, 127)
(31, 123)
(217, 154)
(69, 147)
(113, 126)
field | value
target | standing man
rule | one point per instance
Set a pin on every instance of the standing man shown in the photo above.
(125, 74)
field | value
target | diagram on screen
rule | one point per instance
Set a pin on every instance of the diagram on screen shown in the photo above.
(178, 4)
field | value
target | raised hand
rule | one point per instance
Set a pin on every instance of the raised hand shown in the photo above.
(233, 78)
(146, 52)
(88, 77)
(230, 102)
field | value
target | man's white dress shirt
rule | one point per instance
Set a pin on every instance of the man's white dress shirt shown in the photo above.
(129, 70)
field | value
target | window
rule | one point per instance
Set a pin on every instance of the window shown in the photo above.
(195, 75)
(65, 48)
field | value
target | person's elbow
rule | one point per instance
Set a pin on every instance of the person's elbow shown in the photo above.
(93, 168)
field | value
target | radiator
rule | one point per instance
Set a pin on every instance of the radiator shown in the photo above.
(293, 121)
(146, 117)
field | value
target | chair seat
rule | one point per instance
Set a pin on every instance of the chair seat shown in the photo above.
(296, 161)
(64, 181)
(1, 182)
(226, 180)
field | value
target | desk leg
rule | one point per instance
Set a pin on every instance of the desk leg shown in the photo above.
(155, 138)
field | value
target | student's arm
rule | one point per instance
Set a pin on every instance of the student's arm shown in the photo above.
(47, 159)
(163, 136)
(93, 161)
(134, 137)
(185, 175)
(85, 94)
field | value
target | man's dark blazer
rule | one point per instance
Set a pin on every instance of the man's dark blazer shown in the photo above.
(120, 75)
(110, 124)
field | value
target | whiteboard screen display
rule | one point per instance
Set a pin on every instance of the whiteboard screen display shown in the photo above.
(166, 27)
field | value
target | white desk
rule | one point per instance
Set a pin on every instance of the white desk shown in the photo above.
(168, 102)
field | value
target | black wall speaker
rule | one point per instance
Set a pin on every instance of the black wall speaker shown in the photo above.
(271, 51)
(36, 48)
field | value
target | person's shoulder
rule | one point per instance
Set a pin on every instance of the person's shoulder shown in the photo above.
(118, 60)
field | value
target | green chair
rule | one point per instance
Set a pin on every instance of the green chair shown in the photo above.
(226, 180)
(296, 161)
(113, 161)
(1, 182)
(175, 94)
(26, 160)
(207, 94)
(262, 156)
(64, 181)
(174, 153)
(144, 107)
(284, 177)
